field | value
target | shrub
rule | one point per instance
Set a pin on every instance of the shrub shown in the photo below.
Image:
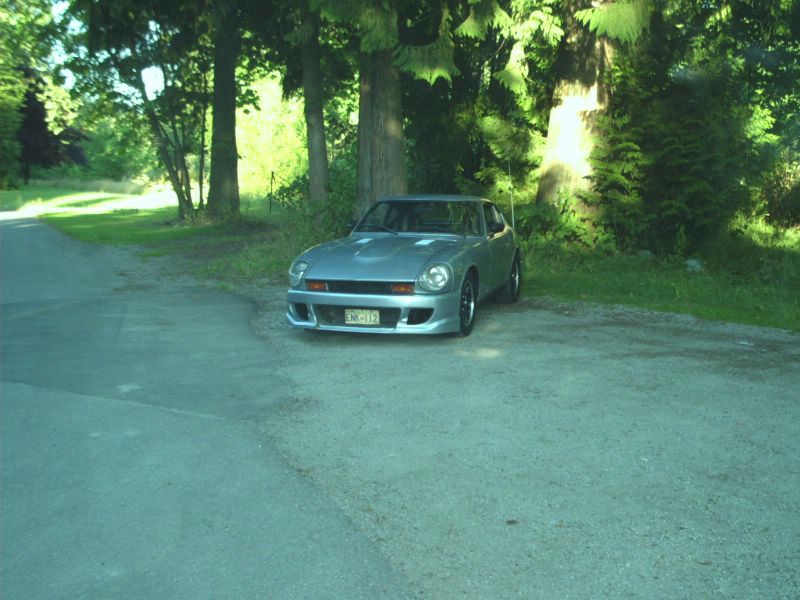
(781, 195)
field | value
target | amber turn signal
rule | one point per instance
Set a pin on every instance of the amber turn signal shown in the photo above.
(316, 286)
(402, 288)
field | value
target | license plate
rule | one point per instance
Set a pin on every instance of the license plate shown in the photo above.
(359, 316)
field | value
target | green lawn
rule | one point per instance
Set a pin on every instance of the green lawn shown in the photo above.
(42, 198)
(752, 279)
(104, 218)
(717, 293)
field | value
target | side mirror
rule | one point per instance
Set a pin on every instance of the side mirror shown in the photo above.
(495, 228)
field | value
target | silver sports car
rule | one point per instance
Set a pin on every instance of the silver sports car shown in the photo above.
(412, 264)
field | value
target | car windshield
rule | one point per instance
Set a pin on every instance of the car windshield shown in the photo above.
(423, 216)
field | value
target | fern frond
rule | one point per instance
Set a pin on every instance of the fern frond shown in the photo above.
(623, 21)
(509, 142)
(515, 74)
(484, 14)
(432, 61)
(378, 27)
(540, 22)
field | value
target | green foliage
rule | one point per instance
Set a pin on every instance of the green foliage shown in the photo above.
(623, 20)
(514, 76)
(11, 94)
(118, 147)
(689, 136)
(431, 61)
(341, 196)
(377, 23)
(781, 193)
(483, 15)
(509, 141)
(27, 34)
(554, 228)
(513, 45)
(270, 140)
(539, 22)
(618, 168)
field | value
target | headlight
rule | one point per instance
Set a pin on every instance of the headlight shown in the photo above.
(296, 272)
(435, 278)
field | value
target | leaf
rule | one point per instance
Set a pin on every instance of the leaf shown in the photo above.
(623, 21)
(432, 61)
(515, 74)
(483, 15)
(378, 29)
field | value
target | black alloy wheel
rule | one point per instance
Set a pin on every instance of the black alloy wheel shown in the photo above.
(467, 305)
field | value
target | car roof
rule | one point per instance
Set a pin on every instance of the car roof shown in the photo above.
(431, 198)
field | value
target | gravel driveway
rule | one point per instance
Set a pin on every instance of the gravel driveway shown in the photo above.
(561, 451)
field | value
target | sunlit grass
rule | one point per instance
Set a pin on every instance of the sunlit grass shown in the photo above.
(40, 200)
(744, 282)
(123, 226)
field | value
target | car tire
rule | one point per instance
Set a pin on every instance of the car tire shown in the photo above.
(467, 305)
(509, 293)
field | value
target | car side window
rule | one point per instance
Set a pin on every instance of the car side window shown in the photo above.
(471, 219)
(492, 217)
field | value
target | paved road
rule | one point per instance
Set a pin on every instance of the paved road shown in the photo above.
(134, 463)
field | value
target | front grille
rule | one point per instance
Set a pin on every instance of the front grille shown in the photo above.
(329, 314)
(361, 287)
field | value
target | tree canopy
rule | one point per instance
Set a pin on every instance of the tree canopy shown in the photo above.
(618, 124)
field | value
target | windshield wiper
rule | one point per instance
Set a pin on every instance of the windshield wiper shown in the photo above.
(433, 228)
(377, 226)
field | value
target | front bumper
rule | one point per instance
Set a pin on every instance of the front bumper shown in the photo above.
(420, 313)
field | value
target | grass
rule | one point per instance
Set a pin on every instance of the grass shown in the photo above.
(123, 226)
(751, 276)
(717, 293)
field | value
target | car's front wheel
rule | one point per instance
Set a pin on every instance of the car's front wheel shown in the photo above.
(467, 305)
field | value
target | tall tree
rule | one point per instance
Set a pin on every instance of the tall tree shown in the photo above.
(223, 191)
(580, 95)
(381, 158)
(39, 145)
(315, 120)
(384, 54)
(27, 33)
(123, 41)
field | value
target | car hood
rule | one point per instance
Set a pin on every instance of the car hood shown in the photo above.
(380, 258)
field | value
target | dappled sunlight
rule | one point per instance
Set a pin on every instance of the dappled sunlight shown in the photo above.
(484, 353)
(62, 201)
(765, 235)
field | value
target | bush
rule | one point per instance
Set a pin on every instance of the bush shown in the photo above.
(551, 228)
(781, 195)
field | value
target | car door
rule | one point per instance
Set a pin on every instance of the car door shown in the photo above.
(501, 244)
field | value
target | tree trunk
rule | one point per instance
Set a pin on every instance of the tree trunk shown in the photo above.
(364, 174)
(315, 120)
(185, 206)
(384, 159)
(579, 97)
(202, 159)
(223, 186)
